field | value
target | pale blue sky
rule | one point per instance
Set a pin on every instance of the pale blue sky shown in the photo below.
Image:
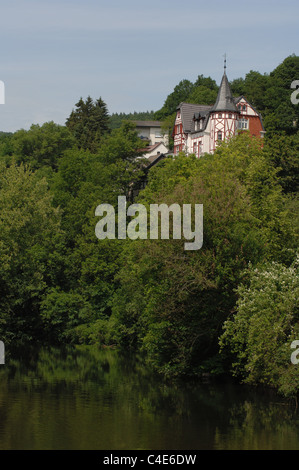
(131, 53)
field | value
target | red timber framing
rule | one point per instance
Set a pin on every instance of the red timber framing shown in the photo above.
(223, 127)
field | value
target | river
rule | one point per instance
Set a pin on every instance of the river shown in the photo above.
(88, 398)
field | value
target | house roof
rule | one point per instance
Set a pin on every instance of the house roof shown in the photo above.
(225, 102)
(225, 99)
(148, 123)
(188, 111)
(154, 160)
(150, 148)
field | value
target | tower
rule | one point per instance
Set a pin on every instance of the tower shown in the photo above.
(224, 114)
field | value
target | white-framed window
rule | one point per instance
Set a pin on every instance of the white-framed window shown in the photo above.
(243, 124)
(195, 148)
(219, 135)
(158, 135)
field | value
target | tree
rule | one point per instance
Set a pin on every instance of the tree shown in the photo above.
(121, 144)
(41, 146)
(283, 152)
(266, 322)
(180, 93)
(171, 303)
(30, 235)
(88, 123)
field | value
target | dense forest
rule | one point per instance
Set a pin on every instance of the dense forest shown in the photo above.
(229, 308)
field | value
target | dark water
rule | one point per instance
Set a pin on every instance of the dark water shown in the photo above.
(86, 398)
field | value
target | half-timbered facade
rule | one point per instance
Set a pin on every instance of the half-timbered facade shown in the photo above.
(198, 128)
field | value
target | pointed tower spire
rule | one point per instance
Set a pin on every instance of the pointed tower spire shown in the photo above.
(225, 99)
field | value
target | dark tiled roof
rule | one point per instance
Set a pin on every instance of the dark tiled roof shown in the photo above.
(225, 99)
(188, 111)
(148, 123)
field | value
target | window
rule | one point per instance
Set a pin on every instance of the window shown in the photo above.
(158, 134)
(195, 148)
(229, 116)
(244, 107)
(220, 115)
(243, 124)
(199, 147)
(219, 135)
(178, 129)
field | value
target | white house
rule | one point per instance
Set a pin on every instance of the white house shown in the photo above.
(151, 132)
(199, 128)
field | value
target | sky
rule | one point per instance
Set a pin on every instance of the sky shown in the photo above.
(131, 53)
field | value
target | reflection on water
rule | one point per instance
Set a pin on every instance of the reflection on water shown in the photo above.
(86, 398)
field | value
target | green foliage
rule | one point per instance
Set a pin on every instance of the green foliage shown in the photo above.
(179, 94)
(88, 123)
(83, 181)
(202, 95)
(29, 233)
(62, 312)
(203, 91)
(270, 94)
(59, 282)
(122, 144)
(167, 127)
(283, 153)
(117, 119)
(42, 145)
(6, 148)
(172, 303)
(260, 333)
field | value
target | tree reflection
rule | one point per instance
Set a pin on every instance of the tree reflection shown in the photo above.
(89, 398)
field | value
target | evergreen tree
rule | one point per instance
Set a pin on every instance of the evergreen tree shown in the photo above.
(88, 123)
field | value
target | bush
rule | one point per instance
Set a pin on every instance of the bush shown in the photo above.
(260, 333)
